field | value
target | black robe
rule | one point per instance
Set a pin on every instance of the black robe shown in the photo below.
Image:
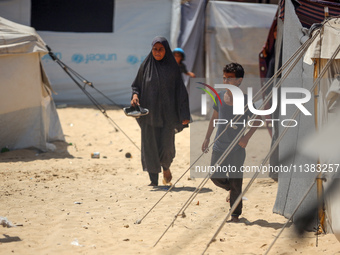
(161, 90)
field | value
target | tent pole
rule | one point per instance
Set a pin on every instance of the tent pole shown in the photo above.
(316, 95)
(321, 213)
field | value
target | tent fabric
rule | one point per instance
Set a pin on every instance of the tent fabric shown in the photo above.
(191, 40)
(324, 47)
(109, 60)
(28, 117)
(192, 35)
(19, 39)
(293, 185)
(326, 145)
(72, 16)
(311, 11)
(230, 26)
(175, 23)
(332, 205)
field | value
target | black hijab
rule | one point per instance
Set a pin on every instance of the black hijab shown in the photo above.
(160, 89)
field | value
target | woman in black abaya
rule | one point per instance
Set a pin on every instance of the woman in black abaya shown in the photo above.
(159, 88)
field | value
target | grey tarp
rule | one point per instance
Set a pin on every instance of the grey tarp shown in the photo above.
(191, 40)
(293, 184)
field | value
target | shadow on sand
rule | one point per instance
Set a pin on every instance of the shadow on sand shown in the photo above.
(27, 155)
(264, 223)
(179, 189)
(10, 239)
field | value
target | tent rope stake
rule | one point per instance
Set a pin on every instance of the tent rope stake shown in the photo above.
(70, 72)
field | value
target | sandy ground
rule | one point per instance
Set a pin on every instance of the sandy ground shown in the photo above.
(68, 203)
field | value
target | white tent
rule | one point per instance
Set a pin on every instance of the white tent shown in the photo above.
(293, 147)
(212, 36)
(326, 146)
(28, 117)
(108, 59)
(234, 33)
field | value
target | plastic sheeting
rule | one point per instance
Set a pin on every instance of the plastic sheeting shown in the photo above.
(293, 184)
(191, 40)
(175, 23)
(109, 60)
(235, 33)
(28, 117)
(326, 144)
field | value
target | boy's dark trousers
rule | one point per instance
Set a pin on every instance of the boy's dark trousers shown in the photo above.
(233, 181)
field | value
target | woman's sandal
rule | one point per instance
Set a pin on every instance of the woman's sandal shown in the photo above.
(167, 177)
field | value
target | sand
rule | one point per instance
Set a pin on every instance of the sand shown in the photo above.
(66, 202)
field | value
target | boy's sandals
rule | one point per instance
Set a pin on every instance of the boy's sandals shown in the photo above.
(228, 197)
(153, 184)
(235, 219)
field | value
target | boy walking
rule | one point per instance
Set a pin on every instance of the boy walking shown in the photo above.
(233, 74)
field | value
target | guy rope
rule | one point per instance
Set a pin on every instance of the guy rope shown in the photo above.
(78, 79)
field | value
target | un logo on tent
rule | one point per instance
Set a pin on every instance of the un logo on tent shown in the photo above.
(78, 58)
(131, 59)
